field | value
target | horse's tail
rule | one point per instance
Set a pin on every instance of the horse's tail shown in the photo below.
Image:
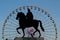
(41, 25)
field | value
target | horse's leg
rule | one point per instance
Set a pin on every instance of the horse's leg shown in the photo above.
(32, 35)
(17, 30)
(36, 31)
(39, 32)
(23, 33)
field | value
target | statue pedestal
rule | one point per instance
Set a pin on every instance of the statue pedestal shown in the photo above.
(28, 38)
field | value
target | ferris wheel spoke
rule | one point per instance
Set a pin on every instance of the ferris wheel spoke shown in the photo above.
(44, 18)
(50, 33)
(10, 28)
(10, 37)
(48, 26)
(49, 37)
(11, 34)
(7, 34)
(12, 23)
(10, 31)
(14, 18)
(49, 29)
(47, 22)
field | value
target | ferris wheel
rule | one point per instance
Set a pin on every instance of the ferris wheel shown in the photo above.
(10, 24)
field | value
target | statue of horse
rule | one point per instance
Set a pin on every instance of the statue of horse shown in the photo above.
(24, 23)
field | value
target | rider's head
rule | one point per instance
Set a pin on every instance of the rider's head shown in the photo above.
(28, 10)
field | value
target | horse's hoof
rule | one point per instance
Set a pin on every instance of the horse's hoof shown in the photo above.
(32, 35)
(39, 36)
(23, 37)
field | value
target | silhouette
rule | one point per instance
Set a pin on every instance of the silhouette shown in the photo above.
(28, 21)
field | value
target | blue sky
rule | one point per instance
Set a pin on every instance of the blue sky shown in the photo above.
(52, 6)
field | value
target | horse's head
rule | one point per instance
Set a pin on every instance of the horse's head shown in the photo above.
(20, 15)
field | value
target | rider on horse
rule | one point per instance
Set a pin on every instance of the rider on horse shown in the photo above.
(28, 21)
(29, 17)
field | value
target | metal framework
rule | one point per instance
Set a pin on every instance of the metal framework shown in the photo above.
(9, 25)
